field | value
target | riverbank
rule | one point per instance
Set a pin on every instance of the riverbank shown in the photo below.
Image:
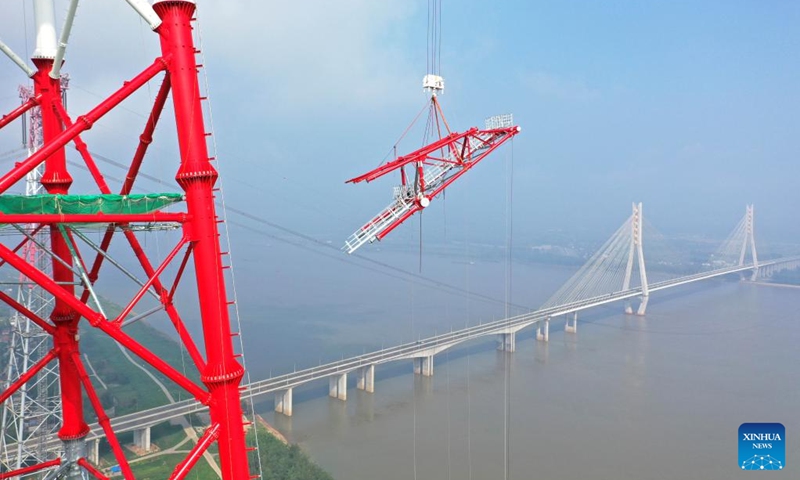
(272, 430)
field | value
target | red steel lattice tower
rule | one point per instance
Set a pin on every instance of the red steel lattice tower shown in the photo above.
(220, 371)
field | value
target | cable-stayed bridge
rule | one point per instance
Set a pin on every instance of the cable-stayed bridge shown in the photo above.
(615, 273)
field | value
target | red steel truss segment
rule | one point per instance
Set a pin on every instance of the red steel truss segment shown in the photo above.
(97, 320)
(220, 371)
(17, 112)
(54, 218)
(102, 418)
(81, 147)
(10, 301)
(56, 180)
(85, 122)
(24, 242)
(421, 155)
(142, 291)
(33, 468)
(146, 138)
(223, 373)
(166, 299)
(183, 469)
(435, 166)
(90, 468)
(25, 377)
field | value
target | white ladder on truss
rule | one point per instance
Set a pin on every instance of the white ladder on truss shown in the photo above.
(401, 204)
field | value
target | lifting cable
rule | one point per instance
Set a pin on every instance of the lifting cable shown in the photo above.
(508, 342)
(433, 66)
(434, 44)
(250, 402)
(305, 242)
(467, 263)
(414, 396)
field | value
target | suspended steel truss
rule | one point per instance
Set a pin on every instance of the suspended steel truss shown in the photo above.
(426, 173)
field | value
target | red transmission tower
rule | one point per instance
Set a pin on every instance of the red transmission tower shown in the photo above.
(63, 215)
(434, 167)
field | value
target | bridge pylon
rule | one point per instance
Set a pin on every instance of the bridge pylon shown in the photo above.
(749, 238)
(609, 271)
(636, 251)
(733, 250)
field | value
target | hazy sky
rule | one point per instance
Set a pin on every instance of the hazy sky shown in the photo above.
(688, 106)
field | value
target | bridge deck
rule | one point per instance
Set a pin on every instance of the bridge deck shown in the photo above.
(425, 347)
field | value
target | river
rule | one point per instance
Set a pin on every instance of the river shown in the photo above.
(652, 397)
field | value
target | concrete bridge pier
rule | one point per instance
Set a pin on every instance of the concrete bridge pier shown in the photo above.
(543, 334)
(366, 379)
(572, 327)
(507, 342)
(283, 402)
(767, 272)
(337, 386)
(424, 366)
(755, 275)
(643, 305)
(141, 438)
(628, 308)
(93, 453)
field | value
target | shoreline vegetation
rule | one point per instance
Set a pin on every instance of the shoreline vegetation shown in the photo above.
(124, 387)
(272, 430)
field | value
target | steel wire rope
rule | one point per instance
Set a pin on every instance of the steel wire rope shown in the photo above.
(509, 341)
(230, 249)
(469, 416)
(172, 153)
(729, 251)
(428, 39)
(414, 390)
(403, 135)
(419, 178)
(586, 274)
(608, 269)
(433, 283)
(159, 181)
(119, 107)
(447, 379)
(430, 281)
(449, 432)
(5, 156)
(469, 354)
(439, 40)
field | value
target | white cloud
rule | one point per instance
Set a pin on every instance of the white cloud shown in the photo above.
(312, 55)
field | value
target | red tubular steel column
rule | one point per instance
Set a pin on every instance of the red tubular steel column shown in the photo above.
(56, 180)
(197, 177)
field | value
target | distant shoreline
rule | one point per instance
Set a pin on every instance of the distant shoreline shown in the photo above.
(781, 285)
